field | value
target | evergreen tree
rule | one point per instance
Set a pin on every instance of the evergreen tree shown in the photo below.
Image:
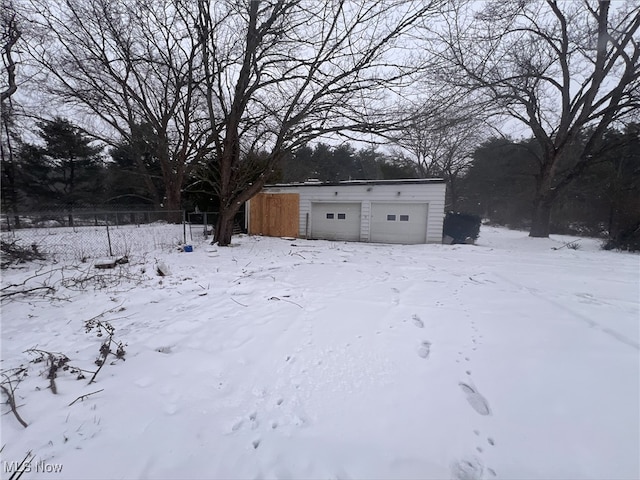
(66, 171)
(135, 175)
(333, 164)
(296, 166)
(9, 141)
(500, 183)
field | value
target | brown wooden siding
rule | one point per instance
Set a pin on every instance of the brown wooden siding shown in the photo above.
(274, 214)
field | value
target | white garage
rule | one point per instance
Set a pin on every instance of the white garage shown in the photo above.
(384, 211)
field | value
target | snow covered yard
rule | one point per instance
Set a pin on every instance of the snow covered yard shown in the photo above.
(283, 358)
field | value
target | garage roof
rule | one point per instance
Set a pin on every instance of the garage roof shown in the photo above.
(407, 181)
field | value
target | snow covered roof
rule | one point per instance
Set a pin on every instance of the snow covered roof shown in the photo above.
(404, 181)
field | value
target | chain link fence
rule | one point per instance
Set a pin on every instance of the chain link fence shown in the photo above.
(202, 224)
(82, 235)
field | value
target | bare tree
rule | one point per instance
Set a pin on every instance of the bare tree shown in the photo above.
(10, 35)
(129, 63)
(565, 69)
(441, 141)
(280, 73)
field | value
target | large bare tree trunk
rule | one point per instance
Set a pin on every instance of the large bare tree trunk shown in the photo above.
(230, 205)
(9, 191)
(173, 202)
(10, 36)
(541, 218)
(224, 226)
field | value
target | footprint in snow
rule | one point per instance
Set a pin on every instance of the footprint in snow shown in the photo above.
(477, 401)
(417, 321)
(467, 469)
(237, 425)
(424, 350)
(253, 418)
(240, 422)
(144, 382)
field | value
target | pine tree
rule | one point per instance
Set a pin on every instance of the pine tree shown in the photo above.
(66, 171)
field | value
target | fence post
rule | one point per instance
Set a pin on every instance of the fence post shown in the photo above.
(70, 219)
(108, 235)
(205, 224)
(184, 226)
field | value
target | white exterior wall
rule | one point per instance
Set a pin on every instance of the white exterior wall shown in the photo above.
(432, 193)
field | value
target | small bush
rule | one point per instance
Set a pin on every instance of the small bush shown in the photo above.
(582, 229)
(573, 246)
(12, 253)
(462, 226)
(628, 239)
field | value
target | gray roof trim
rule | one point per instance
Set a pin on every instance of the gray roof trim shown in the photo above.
(346, 183)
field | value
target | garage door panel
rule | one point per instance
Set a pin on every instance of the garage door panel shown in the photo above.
(335, 221)
(399, 222)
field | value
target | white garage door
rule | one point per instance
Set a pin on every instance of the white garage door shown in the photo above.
(399, 222)
(335, 221)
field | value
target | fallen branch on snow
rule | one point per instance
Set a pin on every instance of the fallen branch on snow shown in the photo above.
(27, 291)
(288, 301)
(82, 397)
(573, 245)
(11, 391)
(241, 304)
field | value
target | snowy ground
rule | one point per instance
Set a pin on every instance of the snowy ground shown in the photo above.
(283, 358)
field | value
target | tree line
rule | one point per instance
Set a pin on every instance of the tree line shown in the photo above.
(604, 200)
(67, 169)
(496, 180)
(226, 93)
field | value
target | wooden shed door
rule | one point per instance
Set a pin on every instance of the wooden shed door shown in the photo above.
(274, 214)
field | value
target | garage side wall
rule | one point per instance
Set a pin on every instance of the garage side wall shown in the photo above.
(436, 213)
(431, 193)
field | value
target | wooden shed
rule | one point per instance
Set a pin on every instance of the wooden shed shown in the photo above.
(383, 211)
